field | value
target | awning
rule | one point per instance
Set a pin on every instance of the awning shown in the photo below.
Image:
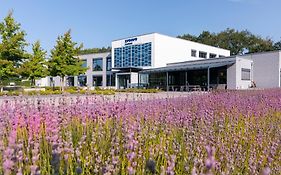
(194, 66)
(127, 69)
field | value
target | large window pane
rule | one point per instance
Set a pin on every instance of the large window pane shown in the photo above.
(110, 80)
(108, 63)
(97, 80)
(84, 63)
(133, 56)
(97, 64)
(82, 80)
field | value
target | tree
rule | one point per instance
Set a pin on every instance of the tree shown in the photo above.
(13, 41)
(64, 59)
(277, 45)
(94, 50)
(238, 42)
(35, 66)
(6, 70)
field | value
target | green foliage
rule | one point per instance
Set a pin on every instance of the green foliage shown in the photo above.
(35, 66)
(13, 41)
(6, 69)
(277, 45)
(64, 60)
(238, 42)
(94, 50)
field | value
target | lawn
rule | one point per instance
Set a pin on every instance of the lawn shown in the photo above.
(235, 132)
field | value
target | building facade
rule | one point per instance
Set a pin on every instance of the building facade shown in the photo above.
(159, 61)
(266, 69)
(133, 54)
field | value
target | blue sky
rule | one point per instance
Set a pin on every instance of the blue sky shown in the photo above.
(95, 23)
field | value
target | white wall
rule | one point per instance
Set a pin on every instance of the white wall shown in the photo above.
(234, 78)
(170, 50)
(134, 78)
(231, 77)
(266, 73)
(90, 72)
(240, 64)
(166, 49)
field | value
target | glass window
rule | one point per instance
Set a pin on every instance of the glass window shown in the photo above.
(97, 64)
(110, 80)
(84, 63)
(245, 74)
(82, 80)
(212, 55)
(133, 56)
(108, 64)
(193, 53)
(97, 80)
(221, 56)
(202, 54)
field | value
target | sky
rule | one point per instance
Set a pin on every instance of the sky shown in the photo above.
(95, 23)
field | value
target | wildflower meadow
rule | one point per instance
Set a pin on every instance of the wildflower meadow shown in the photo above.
(232, 132)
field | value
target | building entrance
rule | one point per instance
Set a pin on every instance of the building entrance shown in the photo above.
(124, 81)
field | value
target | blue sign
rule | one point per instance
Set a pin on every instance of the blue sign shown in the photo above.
(129, 41)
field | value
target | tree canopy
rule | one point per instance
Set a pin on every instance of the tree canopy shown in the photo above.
(12, 47)
(64, 58)
(94, 50)
(35, 66)
(238, 42)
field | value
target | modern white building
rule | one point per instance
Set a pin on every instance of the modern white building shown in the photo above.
(98, 74)
(158, 61)
(266, 69)
(133, 54)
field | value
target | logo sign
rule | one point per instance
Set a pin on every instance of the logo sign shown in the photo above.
(130, 41)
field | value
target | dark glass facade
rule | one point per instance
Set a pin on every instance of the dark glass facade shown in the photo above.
(133, 56)
(110, 80)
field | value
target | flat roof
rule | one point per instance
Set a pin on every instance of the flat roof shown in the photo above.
(203, 60)
(193, 65)
(258, 53)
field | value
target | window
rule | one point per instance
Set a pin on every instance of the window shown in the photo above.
(221, 56)
(212, 55)
(245, 74)
(82, 80)
(97, 64)
(110, 80)
(108, 63)
(97, 80)
(202, 54)
(193, 53)
(84, 63)
(138, 55)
